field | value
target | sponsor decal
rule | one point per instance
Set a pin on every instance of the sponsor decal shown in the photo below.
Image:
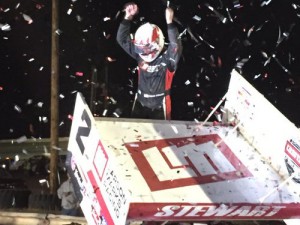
(293, 152)
(212, 211)
(115, 192)
(292, 159)
(179, 162)
(100, 160)
(218, 211)
(101, 206)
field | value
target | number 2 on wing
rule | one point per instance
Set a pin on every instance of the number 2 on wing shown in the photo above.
(83, 131)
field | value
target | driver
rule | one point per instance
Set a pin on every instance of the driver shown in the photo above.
(156, 65)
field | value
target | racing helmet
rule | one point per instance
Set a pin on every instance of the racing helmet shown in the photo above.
(148, 41)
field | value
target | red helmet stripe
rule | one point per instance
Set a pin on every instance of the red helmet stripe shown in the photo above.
(155, 34)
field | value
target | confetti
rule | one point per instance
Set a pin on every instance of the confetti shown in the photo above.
(17, 108)
(257, 76)
(5, 27)
(113, 100)
(40, 104)
(21, 139)
(17, 158)
(24, 151)
(28, 19)
(182, 33)
(44, 119)
(253, 37)
(222, 18)
(29, 102)
(110, 59)
(190, 104)
(58, 32)
(116, 114)
(79, 74)
(265, 3)
(42, 181)
(56, 148)
(192, 35)
(69, 11)
(197, 18)
(174, 129)
(104, 112)
(78, 18)
(211, 46)
(229, 15)
(237, 4)
(187, 82)
(39, 6)
(250, 31)
(17, 6)
(134, 145)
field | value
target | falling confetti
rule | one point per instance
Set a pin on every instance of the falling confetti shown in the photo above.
(5, 27)
(21, 139)
(79, 74)
(18, 108)
(27, 18)
(255, 38)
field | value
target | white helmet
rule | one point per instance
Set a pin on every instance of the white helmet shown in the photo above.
(149, 41)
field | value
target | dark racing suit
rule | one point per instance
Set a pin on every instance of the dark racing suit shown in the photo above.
(155, 78)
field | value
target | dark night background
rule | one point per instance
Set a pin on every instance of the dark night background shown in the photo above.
(258, 38)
